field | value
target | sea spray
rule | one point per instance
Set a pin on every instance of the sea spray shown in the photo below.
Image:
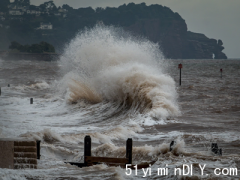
(101, 136)
(141, 153)
(105, 65)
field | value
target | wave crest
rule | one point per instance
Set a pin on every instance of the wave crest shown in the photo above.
(106, 65)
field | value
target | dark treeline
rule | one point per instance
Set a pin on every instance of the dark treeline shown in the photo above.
(42, 47)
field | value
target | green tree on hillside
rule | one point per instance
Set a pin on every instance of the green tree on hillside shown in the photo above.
(15, 45)
(48, 6)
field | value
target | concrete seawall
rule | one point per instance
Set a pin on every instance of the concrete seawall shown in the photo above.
(18, 153)
(30, 56)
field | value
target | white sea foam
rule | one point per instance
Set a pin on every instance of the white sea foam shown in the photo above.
(40, 85)
(141, 153)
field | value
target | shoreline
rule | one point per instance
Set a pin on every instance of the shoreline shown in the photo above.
(30, 56)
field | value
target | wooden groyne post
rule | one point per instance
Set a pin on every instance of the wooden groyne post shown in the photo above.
(129, 150)
(87, 147)
(38, 149)
(90, 160)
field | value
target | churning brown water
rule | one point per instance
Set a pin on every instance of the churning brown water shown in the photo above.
(114, 87)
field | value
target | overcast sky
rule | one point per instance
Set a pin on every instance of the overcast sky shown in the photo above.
(218, 19)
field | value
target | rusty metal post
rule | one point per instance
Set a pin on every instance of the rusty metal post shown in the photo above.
(180, 78)
(129, 150)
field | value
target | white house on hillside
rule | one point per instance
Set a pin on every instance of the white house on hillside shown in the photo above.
(46, 26)
(2, 18)
(15, 12)
(36, 12)
(17, 7)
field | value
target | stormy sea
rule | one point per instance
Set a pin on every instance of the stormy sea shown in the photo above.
(112, 86)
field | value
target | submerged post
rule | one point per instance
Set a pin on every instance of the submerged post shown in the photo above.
(171, 145)
(214, 148)
(38, 149)
(8, 85)
(129, 150)
(180, 78)
(31, 100)
(87, 147)
(221, 72)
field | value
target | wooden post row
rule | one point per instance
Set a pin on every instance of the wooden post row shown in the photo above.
(87, 152)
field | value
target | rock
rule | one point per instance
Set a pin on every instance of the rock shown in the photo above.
(169, 33)
(216, 150)
(220, 43)
(201, 47)
(175, 41)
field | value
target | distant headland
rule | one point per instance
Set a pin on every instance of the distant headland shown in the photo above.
(28, 24)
